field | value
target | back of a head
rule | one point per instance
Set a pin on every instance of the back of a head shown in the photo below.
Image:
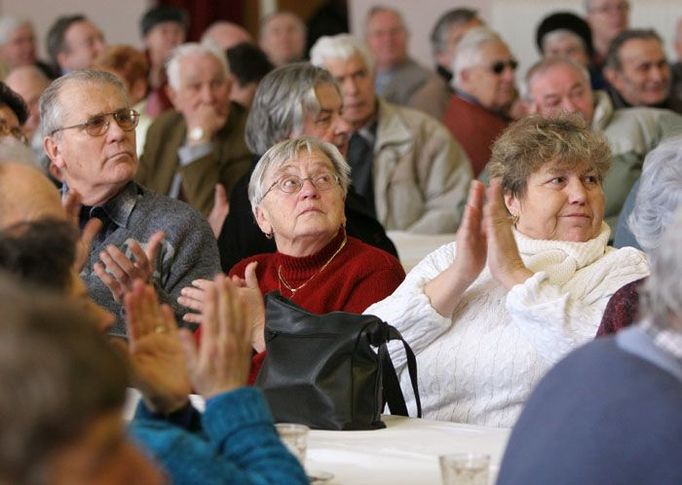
(57, 372)
(26, 194)
(281, 101)
(659, 195)
(248, 63)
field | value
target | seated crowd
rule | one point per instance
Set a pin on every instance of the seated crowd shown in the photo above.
(150, 200)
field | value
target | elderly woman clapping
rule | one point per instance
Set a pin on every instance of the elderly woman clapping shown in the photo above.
(526, 280)
(297, 194)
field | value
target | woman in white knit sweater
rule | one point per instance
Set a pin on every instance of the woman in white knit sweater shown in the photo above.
(526, 280)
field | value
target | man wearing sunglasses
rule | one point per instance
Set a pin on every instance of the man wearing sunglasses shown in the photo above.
(89, 131)
(485, 90)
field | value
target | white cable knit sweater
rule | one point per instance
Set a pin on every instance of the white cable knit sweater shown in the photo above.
(480, 366)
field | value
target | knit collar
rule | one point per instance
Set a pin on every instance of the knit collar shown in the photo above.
(561, 259)
(296, 270)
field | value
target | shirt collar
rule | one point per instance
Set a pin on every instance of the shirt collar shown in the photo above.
(117, 209)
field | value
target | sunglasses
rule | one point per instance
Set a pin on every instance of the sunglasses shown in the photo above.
(498, 67)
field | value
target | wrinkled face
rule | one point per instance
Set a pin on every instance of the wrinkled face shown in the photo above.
(84, 42)
(20, 48)
(454, 35)
(607, 19)
(283, 39)
(203, 82)
(561, 88)
(566, 46)
(309, 218)
(97, 167)
(644, 77)
(328, 124)
(387, 39)
(162, 39)
(103, 455)
(495, 91)
(357, 87)
(560, 204)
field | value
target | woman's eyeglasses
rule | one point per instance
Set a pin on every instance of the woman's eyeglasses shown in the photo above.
(291, 184)
(498, 67)
(98, 125)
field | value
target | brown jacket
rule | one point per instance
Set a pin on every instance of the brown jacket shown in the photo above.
(225, 164)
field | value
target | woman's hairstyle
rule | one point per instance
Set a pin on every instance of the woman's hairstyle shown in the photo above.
(58, 373)
(125, 61)
(661, 294)
(283, 99)
(288, 150)
(533, 141)
(341, 46)
(658, 196)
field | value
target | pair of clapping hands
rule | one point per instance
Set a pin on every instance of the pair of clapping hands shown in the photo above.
(194, 297)
(167, 363)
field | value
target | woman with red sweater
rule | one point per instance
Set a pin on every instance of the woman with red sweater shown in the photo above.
(297, 194)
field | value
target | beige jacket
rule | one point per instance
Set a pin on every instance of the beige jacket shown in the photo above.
(421, 174)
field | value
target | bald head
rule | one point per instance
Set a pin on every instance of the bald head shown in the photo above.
(225, 35)
(26, 195)
(29, 82)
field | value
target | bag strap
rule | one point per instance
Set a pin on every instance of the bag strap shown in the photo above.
(392, 391)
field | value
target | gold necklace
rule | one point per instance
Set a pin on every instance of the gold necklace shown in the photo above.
(293, 291)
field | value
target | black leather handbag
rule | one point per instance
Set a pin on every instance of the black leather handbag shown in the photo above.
(322, 370)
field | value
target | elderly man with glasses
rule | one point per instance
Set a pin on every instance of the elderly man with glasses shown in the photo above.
(145, 235)
(485, 90)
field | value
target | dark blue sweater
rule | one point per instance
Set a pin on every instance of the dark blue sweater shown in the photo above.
(609, 413)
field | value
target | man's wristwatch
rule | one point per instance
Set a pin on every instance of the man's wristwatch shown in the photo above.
(196, 134)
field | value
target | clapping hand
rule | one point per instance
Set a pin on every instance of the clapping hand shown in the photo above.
(222, 361)
(117, 271)
(156, 353)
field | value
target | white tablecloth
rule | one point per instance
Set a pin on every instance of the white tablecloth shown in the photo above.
(406, 452)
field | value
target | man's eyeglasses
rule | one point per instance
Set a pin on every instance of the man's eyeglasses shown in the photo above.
(13, 131)
(291, 184)
(98, 125)
(498, 67)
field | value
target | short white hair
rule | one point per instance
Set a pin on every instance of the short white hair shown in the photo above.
(468, 52)
(9, 25)
(191, 49)
(341, 46)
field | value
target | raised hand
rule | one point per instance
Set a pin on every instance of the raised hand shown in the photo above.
(156, 353)
(222, 361)
(194, 298)
(504, 260)
(118, 272)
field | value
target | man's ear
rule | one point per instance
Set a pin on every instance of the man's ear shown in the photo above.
(262, 220)
(53, 151)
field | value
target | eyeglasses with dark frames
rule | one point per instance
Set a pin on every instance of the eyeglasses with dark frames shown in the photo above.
(13, 131)
(498, 67)
(292, 184)
(125, 118)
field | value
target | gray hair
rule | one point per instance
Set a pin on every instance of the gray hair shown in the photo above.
(9, 25)
(52, 111)
(469, 50)
(439, 34)
(287, 150)
(658, 196)
(543, 65)
(341, 46)
(191, 49)
(612, 60)
(661, 294)
(282, 100)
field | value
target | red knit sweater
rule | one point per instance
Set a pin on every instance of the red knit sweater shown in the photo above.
(357, 277)
(475, 128)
